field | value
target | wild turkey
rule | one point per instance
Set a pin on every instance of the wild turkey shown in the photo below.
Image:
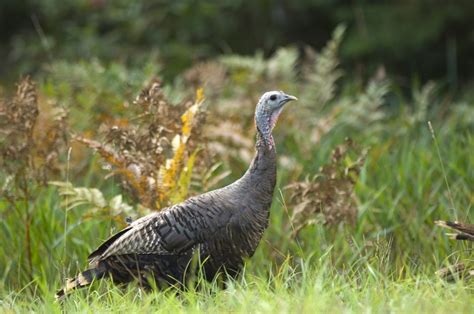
(221, 227)
(462, 232)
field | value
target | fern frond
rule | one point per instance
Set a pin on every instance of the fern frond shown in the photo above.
(92, 199)
(77, 196)
(281, 66)
(366, 108)
(321, 85)
(422, 99)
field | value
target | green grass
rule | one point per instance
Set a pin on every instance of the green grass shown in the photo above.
(385, 263)
(401, 192)
(306, 291)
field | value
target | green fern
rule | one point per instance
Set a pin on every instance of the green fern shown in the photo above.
(422, 99)
(281, 66)
(92, 199)
(321, 81)
(245, 69)
(365, 110)
(278, 69)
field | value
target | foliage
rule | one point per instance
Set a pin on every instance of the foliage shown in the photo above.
(155, 152)
(409, 39)
(288, 290)
(30, 142)
(29, 154)
(328, 197)
(365, 108)
(325, 73)
(94, 92)
(164, 146)
(95, 202)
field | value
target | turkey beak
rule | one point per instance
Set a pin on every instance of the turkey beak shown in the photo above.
(288, 98)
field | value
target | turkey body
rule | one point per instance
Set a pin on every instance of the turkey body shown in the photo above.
(221, 228)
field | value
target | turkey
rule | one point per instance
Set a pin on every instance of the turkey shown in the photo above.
(221, 227)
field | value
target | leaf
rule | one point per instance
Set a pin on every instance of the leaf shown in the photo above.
(93, 199)
(117, 205)
(149, 152)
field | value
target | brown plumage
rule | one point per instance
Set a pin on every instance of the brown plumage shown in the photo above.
(463, 231)
(221, 227)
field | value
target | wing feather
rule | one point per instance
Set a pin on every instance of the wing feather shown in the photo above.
(170, 231)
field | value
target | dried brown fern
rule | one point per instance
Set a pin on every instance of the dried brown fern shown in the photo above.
(328, 197)
(154, 153)
(30, 142)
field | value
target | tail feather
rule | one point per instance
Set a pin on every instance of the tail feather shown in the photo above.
(82, 280)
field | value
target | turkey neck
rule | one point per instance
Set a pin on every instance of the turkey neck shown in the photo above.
(261, 175)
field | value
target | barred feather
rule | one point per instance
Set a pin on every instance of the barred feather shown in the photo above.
(80, 281)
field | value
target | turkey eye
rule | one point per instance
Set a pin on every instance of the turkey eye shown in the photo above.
(273, 97)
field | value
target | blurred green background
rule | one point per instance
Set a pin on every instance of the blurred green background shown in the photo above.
(411, 38)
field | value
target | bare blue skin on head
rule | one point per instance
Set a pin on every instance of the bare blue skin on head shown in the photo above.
(268, 109)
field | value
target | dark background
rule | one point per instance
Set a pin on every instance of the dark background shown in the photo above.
(413, 39)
